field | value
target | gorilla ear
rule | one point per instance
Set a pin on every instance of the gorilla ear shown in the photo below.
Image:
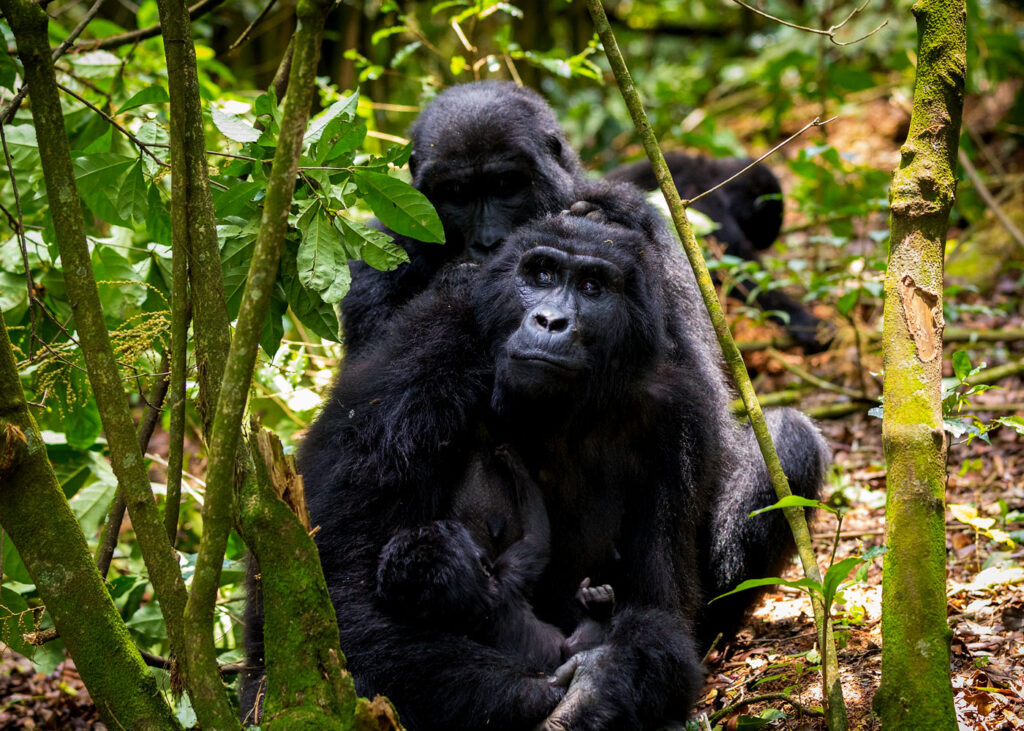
(412, 164)
(555, 147)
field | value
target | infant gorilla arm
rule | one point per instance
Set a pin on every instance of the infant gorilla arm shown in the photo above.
(439, 574)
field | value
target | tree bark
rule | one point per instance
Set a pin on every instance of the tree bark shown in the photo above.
(915, 690)
(35, 513)
(28, 22)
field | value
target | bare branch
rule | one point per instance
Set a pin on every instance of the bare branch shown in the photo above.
(815, 123)
(831, 32)
(143, 147)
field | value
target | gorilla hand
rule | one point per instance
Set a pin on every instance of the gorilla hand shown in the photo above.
(588, 702)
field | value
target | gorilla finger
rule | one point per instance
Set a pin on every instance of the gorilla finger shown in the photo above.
(597, 216)
(582, 208)
(565, 673)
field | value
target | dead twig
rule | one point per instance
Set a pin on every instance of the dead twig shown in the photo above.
(831, 32)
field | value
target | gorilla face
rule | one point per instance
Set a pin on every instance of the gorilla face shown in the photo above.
(490, 156)
(573, 322)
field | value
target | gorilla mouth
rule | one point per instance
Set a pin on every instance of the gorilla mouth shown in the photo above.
(542, 359)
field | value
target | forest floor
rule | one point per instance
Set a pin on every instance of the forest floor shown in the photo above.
(776, 652)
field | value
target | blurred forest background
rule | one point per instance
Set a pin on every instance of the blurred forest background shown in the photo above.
(716, 79)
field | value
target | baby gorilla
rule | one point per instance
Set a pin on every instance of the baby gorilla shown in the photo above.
(440, 575)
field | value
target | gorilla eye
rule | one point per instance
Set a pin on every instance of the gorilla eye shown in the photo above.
(452, 190)
(544, 276)
(510, 183)
(590, 287)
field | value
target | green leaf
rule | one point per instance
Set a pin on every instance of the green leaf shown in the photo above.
(150, 95)
(311, 310)
(805, 584)
(316, 126)
(97, 177)
(400, 207)
(795, 501)
(374, 247)
(133, 196)
(236, 199)
(273, 326)
(961, 365)
(1013, 422)
(90, 505)
(321, 261)
(232, 127)
(847, 301)
(8, 69)
(836, 574)
(82, 426)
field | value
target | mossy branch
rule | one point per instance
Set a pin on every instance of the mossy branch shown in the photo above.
(37, 517)
(835, 707)
(28, 22)
(915, 690)
(217, 508)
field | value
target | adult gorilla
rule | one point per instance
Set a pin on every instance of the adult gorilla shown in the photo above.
(490, 156)
(571, 347)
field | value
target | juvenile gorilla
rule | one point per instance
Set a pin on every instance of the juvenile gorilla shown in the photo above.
(442, 575)
(748, 211)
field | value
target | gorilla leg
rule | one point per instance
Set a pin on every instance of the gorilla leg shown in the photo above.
(739, 547)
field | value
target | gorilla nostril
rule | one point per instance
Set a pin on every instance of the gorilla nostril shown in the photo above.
(552, 322)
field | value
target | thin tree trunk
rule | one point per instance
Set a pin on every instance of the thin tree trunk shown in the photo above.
(915, 690)
(35, 513)
(29, 23)
(835, 708)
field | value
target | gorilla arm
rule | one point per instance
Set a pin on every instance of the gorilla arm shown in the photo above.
(376, 461)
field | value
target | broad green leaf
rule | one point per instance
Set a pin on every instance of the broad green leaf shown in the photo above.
(148, 623)
(400, 207)
(805, 584)
(795, 501)
(273, 326)
(961, 365)
(311, 310)
(316, 126)
(374, 247)
(82, 424)
(232, 127)
(94, 64)
(236, 199)
(8, 69)
(1013, 422)
(90, 506)
(133, 196)
(98, 176)
(321, 261)
(150, 95)
(846, 303)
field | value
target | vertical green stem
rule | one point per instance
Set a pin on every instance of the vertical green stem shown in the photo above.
(915, 690)
(217, 508)
(835, 708)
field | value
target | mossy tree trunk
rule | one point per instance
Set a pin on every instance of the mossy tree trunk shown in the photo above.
(915, 690)
(35, 513)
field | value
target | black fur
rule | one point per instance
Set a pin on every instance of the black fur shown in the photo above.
(441, 575)
(748, 211)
